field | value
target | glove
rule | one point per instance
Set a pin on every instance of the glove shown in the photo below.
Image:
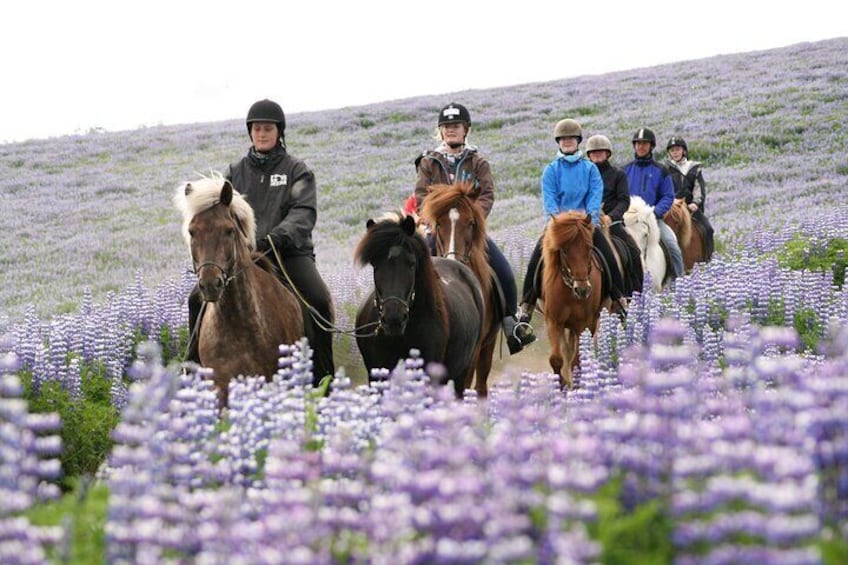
(262, 245)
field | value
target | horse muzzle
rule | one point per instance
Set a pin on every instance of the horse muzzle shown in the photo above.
(393, 327)
(583, 291)
(211, 289)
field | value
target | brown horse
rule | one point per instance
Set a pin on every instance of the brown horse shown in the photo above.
(459, 229)
(571, 297)
(247, 312)
(679, 219)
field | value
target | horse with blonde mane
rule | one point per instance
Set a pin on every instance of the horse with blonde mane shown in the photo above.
(571, 296)
(641, 223)
(679, 219)
(247, 312)
(458, 226)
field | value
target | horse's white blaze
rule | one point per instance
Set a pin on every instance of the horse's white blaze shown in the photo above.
(454, 216)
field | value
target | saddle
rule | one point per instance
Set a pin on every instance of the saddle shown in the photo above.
(499, 298)
(669, 269)
(631, 265)
(706, 248)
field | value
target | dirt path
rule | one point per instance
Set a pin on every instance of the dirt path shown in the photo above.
(532, 359)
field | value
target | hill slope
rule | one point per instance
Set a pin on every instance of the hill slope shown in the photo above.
(94, 211)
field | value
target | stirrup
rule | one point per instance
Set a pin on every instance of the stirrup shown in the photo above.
(524, 333)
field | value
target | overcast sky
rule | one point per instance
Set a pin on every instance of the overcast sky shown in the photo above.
(70, 66)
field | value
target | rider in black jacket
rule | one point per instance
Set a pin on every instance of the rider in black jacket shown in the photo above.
(281, 190)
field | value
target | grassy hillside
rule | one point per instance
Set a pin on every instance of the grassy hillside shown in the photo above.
(94, 211)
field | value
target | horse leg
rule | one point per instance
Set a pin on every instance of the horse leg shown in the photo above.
(484, 367)
(555, 338)
(566, 380)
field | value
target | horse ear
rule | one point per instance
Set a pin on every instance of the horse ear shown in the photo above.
(227, 193)
(408, 225)
(587, 220)
(187, 189)
(369, 224)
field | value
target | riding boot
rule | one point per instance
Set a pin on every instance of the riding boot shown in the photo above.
(619, 307)
(195, 303)
(518, 333)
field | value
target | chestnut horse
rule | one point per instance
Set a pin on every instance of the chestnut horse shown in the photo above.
(572, 298)
(459, 229)
(247, 312)
(679, 219)
(419, 302)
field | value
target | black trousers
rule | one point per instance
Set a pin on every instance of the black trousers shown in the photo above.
(308, 282)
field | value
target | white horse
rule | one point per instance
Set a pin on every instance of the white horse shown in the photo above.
(641, 223)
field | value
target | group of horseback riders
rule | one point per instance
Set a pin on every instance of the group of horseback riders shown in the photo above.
(573, 181)
(281, 189)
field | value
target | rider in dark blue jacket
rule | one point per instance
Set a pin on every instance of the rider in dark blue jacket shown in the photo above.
(652, 182)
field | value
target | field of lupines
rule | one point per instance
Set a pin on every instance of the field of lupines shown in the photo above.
(712, 429)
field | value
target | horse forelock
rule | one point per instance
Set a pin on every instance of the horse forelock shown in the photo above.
(194, 197)
(386, 234)
(443, 197)
(567, 226)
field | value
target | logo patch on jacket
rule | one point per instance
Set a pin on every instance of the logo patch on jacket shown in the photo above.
(279, 180)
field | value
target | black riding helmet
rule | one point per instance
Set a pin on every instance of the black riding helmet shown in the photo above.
(644, 134)
(454, 113)
(675, 140)
(266, 111)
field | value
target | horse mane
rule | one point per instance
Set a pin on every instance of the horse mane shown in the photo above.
(194, 197)
(563, 229)
(463, 196)
(640, 211)
(680, 216)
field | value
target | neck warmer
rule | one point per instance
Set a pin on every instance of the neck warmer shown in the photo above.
(683, 165)
(262, 159)
(571, 157)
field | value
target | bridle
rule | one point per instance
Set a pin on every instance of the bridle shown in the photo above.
(568, 278)
(380, 301)
(227, 273)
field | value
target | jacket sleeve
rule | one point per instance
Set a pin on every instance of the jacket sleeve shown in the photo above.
(422, 180)
(596, 193)
(295, 229)
(666, 194)
(621, 193)
(699, 189)
(486, 183)
(550, 202)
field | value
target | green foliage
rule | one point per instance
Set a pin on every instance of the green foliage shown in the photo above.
(87, 422)
(803, 253)
(834, 550)
(639, 536)
(809, 327)
(83, 509)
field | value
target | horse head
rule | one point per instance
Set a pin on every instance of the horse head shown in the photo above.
(395, 250)
(568, 249)
(641, 223)
(679, 219)
(219, 227)
(457, 220)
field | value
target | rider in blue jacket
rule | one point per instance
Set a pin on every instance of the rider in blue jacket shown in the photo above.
(652, 182)
(573, 182)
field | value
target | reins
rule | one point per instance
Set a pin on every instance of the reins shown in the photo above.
(320, 321)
